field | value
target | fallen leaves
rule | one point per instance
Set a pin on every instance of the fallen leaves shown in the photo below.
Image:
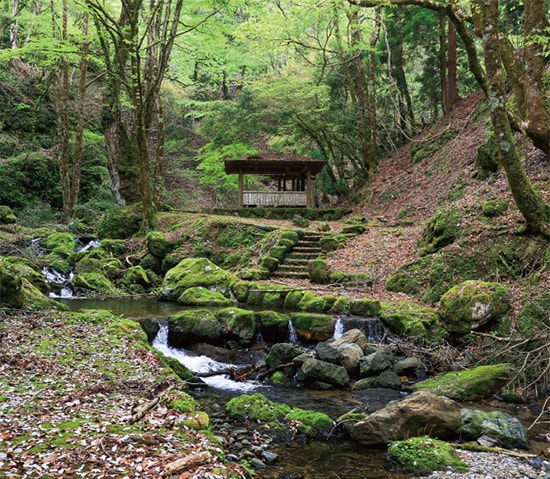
(66, 394)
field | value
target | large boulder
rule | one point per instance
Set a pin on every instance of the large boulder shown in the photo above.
(282, 353)
(312, 326)
(418, 414)
(194, 326)
(158, 245)
(94, 282)
(468, 385)
(409, 319)
(350, 356)
(496, 427)
(274, 326)
(355, 336)
(376, 362)
(329, 373)
(192, 272)
(11, 286)
(472, 305)
(238, 323)
(200, 296)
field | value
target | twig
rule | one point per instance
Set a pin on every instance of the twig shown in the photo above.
(541, 413)
(142, 411)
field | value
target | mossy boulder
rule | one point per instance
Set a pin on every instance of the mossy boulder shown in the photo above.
(312, 302)
(292, 299)
(422, 455)
(329, 373)
(136, 275)
(409, 319)
(60, 244)
(279, 416)
(158, 245)
(468, 385)
(98, 262)
(27, 270)
(121, 222)
(329, 243)
(11, 286)
(113, 246)
(239, 323)
(7, 216)
(365, 307)
(283, 353)
(175, 366)
(241, 289)
(534, 317)
(504, 429)
(95, 282)
(441, 230)
(273, 325)
(312, 326)
(472, 305)
(192, 272)
(200, 296)
(318, 271)
(494, 208)
(194, 326)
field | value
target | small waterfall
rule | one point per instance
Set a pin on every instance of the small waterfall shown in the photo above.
(292, 336)
(338, 328)
(59, 281)
(200, 364)
(81, 246)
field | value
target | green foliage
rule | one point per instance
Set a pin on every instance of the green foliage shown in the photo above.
(422, 455)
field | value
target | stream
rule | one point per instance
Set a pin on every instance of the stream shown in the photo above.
(313, 459)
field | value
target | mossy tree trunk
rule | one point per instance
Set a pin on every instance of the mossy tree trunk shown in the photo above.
(527, 199)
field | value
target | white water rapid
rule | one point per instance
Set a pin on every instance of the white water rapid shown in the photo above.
(201, 364)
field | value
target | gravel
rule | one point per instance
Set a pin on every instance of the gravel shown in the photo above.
(485, 465)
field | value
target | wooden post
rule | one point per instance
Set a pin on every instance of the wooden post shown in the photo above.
(309, 195)
(240, 189)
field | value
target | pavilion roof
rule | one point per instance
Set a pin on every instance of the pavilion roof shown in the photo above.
(275, 165)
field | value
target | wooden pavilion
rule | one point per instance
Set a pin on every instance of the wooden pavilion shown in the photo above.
(292, 179)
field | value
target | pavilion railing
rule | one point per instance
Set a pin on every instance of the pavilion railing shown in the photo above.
(274, 198)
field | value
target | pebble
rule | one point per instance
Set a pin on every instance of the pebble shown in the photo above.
(487, 465)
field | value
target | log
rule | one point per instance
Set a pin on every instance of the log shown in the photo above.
(186, 463)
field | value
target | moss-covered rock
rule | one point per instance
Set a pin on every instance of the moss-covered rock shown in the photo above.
(472, 305)
(507, 431)
(318, 271)
(258, 408)
(200, 296)
(273, 325)
(59, 244)
(27, 270)
(11, 286)
(365, 307)
(176, 366)
(121, 222)
(98, 262)
(237, 322)
(340, 306)
(193, 272)
(441, 230)
(283, 353)
(468, 385)
(95, 282)
(312, 302)
(113, 246)
(409, 319)
(7, 216)
(494, 208)
(136, 275)
(422, 455)
(157, 244)
(269, 262)
(534, 317)
(293, 298)
(194, 326)
(313, 327)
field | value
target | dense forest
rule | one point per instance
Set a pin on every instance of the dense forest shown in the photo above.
(114, 104)
(431, 216)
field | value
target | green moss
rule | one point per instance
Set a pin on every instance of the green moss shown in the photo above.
(60, 244)
(175, 366)
(293, 298)
(353, 230)
(241, 322)
(200, 296)
(311, 326)
(441, 230)
(270, 263)
(312, 302)
(121, 222)
(409, 319)
(157, 244)
(421, 455)
(241, 289)
(468, 385)
(534, 317)
(311, 423)
(494, 207)
(364, 307)
(340, 306)
(94, 281)
(318, 271)
(256, 407)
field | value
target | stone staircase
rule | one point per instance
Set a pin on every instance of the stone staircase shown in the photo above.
(294, 265)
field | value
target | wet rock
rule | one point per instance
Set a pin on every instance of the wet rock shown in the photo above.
(325, 372)
(325, 352)
(350, 355)
(352, 336)
(497, 427)
(413, 416)
(376, 362)
(282, 353)
(269, 457)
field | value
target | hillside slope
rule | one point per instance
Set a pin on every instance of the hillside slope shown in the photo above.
(402, 196)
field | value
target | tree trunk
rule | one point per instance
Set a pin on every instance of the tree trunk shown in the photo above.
(527, 199)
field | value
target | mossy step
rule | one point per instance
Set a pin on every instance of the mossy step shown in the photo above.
(300, 249)
(289, 267)
(290, 275)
